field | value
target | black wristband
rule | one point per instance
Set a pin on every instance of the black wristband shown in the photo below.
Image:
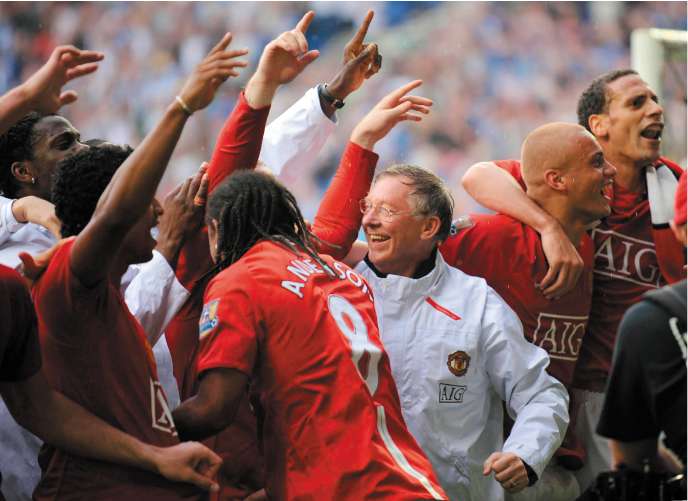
(532, 476)
(337, 103)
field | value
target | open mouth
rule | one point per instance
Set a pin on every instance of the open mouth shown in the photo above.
(376, 238)
(607, 190)
(653, 132)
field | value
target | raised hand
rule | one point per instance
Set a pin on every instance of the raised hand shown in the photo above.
(282, 60)
(183, 210)
(395, 107)
(190, 462)
(361, 61)
(44, 88)
(220, 64)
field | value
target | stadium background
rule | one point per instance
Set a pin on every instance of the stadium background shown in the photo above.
(494, 70)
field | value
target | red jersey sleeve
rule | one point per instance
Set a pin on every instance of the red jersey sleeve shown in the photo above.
(20, 355)
(237, 147)
(513, 167)
(228, 330)
(479, 249)
(239, 142)
(339, 216)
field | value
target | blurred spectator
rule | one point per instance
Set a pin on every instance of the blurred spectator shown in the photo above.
(495, 70)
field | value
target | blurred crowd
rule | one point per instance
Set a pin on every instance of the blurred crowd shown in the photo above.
(494, 70)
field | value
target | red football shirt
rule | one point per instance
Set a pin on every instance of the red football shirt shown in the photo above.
(237, 147)
(20, 354)
(310, 343)
(625, 267)
(96, 353)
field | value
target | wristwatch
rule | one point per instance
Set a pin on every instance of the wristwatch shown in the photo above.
(337, 103)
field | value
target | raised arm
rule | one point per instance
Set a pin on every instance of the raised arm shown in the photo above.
(239, 142)
(43, 92)
(294, 139)
(496, 189)
(131, 191)
(339, 216)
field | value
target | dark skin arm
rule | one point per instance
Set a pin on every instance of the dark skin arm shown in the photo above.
(130, 193)
(43, 90)
(213, 408)
(361, 61)
(182, 215)
(66, 425)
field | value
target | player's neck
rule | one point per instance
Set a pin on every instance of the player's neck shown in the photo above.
(570, 223)
(27, 190)
(629, 174)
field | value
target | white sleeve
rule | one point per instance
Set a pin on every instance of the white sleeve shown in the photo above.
(163, 361)
(8, 224)
(295, 138)
(153, 294)
(517, 370)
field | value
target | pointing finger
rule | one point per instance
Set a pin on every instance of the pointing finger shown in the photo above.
(394, 96)
(305, 21)
(223, 43)
(363, 29)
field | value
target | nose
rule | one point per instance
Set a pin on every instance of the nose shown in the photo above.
(370, 218)
(78, 147)
(609, 170)
(655, 109)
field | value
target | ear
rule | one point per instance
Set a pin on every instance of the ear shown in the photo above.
(555, 180)
(599, 125)
(212, 238)
(430, 228)
(22, 172)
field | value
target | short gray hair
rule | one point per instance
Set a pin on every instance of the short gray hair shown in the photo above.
(432, 197)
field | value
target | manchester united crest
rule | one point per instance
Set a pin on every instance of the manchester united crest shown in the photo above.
(458, 363)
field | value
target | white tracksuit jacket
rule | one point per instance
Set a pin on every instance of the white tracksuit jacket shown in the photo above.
(455, 417)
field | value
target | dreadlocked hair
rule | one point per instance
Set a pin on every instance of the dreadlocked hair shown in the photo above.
(16, 145)
(252, 206)
(80, 180)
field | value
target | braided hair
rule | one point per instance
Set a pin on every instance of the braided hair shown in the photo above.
(251, 206)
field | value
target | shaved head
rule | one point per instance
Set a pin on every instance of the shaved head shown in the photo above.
(554, 146)
(566, 174)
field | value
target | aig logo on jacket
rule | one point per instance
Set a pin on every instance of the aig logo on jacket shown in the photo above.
(458, 363)
(451, 393)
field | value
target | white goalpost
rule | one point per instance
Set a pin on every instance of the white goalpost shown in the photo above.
(659, 57)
